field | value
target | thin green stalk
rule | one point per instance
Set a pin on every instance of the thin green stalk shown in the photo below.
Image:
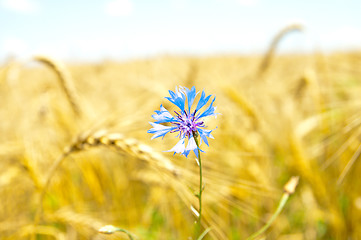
(110, 229)
(274, 216)
(201, 188)
(126, 232)
(204, 233)
(39, 210)
(289, 189)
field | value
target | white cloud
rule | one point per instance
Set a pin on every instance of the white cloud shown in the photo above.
(119, 8)
(179, 4)
(100, 46)
(23, 6)
(247, 2)
(14, 46)
(19, 48)
(346, 37)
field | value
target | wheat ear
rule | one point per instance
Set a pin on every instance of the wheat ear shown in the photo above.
(65, 80)
(273, 46)
(116, 141)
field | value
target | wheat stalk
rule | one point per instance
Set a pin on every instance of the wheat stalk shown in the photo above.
(10, 72)
(65, 80)
(116, 141)
(244, 104)
(192, 74)
(273, 46)
(70, 217)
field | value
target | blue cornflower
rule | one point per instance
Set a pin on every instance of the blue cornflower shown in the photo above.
(185, 122)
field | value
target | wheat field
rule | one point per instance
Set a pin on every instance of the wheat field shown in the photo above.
(76, 156)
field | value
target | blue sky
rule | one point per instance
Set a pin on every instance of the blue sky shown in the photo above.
(84, 30)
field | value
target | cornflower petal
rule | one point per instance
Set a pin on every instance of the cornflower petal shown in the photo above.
(177, 101)
(209, 111)
(186, 153)
(177, 98)
(173, 94)
(163, 116)
(179, 147)
(191, 95)
(191, 144)
(204, 134)
(195, 152)
(202, 101)
(162, 109)
(159, 130)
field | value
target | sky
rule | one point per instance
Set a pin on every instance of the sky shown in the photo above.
(96, 30)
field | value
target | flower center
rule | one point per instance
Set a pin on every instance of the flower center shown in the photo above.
(186, 124)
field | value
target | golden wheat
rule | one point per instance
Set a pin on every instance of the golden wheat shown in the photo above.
(65, 80)
(267, 59)
(301, 119)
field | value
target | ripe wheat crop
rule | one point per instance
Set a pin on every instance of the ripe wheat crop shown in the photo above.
(76, 156)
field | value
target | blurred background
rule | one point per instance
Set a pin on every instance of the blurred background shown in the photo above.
(128, 29)
(80, 80)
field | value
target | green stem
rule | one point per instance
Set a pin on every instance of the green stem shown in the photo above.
(110, 229)
(204, 234)
(199, 195)
(126, 232)
(281, 204)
